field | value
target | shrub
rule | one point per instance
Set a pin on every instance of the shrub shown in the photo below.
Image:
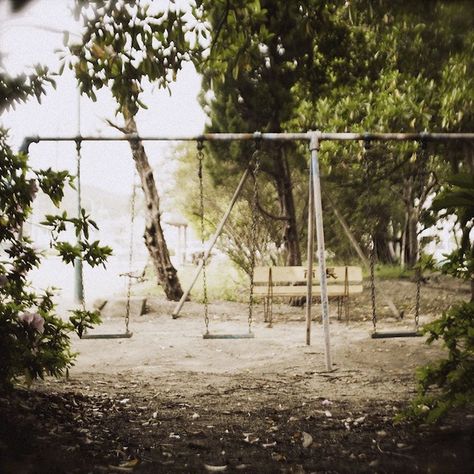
(447, 383)
(34, 341)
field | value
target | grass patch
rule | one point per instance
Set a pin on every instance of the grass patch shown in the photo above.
(390, 272)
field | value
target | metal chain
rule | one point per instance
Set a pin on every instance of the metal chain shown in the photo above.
(373, 249)
(255, 162)
(200, 157)
(418, 296)
(130, 255)
(372, 284)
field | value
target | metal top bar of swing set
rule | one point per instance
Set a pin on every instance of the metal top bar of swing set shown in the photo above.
(308, 136)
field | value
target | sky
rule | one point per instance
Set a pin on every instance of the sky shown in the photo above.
(32, 37)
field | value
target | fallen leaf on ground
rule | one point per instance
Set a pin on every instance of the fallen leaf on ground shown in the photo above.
(211, 468)
(307, 439)
(278, 457)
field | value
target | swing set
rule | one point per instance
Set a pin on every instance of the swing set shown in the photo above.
(376, 334)
(126, 333)
(315, 215)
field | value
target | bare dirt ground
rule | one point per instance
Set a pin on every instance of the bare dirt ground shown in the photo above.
(167, 400)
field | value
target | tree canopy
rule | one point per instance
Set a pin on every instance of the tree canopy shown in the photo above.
(338, 66)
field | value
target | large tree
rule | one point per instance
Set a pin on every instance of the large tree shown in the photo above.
(407, 67)
(124, 45)
(260, 51)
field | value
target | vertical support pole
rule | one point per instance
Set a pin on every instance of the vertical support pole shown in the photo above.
(318, 214)
(78, 267)
(310, 253)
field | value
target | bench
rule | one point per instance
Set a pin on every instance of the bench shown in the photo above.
(290, 282)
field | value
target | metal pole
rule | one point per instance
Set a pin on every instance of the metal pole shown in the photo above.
(218, 232)
(318, 208)
(310, 253)
(78, 266)
(427, 136)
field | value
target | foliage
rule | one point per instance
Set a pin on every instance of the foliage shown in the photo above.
(408, 68)
(453, 377)
(458, 198)
(33, 339)
(388, 66)
(127, 43)
(260, 51)
(18, 89)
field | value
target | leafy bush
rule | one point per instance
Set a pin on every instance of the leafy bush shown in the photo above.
(447, 383)
(34, 341)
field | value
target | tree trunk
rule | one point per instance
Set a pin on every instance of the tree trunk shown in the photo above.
(284, 188)
(154, 238)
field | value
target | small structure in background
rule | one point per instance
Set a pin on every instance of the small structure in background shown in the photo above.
(175, 220)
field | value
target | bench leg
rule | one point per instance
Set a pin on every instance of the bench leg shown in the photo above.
(265, 309)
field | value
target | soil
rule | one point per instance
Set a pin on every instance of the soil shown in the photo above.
(167, 400)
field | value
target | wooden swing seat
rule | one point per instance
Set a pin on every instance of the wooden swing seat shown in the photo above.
(393, 334)
(124, 335)
(248, 335)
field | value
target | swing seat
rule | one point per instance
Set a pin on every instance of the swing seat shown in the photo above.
(248, 335)
(124, 335)
(393, 334)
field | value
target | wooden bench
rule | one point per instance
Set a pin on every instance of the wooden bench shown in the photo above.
(289, 282)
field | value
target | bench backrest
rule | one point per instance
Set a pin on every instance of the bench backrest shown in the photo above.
(292, 275)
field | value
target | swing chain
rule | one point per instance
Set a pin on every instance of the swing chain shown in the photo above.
(255, 164)
(200, 157)
(418, 297)
(372, 283)
(130, 256)
(372, 255)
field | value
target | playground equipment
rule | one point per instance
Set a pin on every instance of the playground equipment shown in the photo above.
(79, 268)
(253, 167)
(387, 334)
(314, 139)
